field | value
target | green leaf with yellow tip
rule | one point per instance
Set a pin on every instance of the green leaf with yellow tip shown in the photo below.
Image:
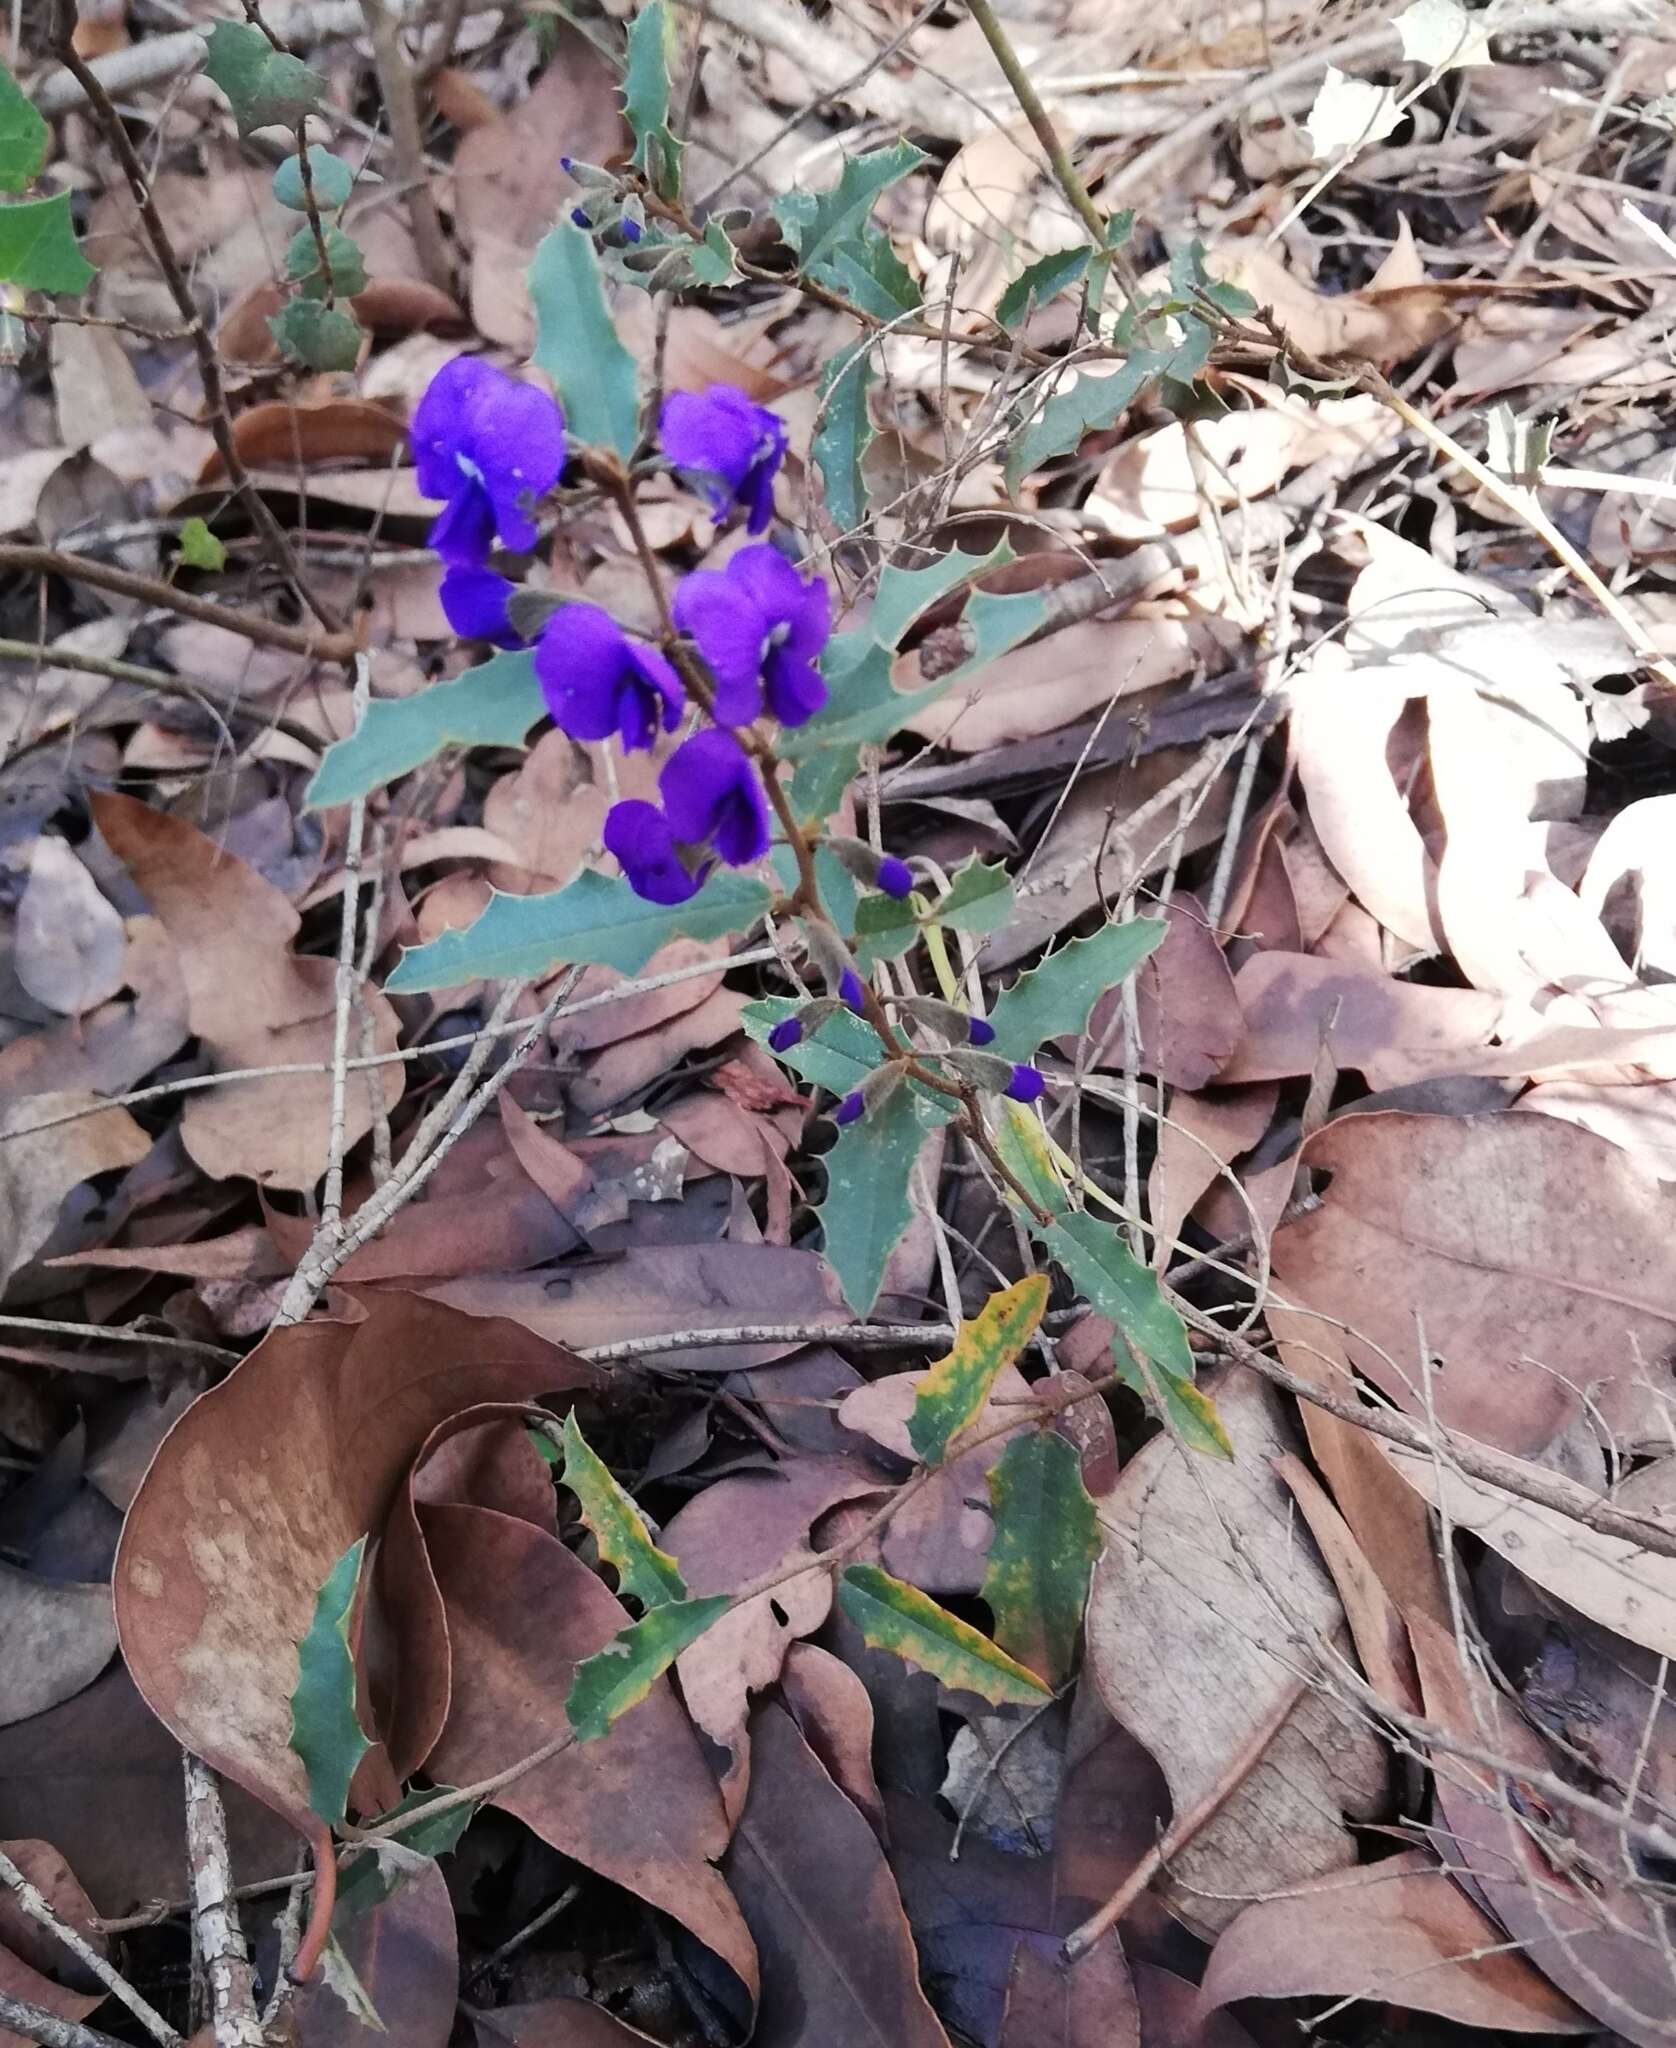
(620, 1676)
(957, 1386)
(1042, 1552)
(644, 1572)
(894, 1616)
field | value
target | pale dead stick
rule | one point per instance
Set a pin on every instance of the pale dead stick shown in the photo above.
(34, 1904)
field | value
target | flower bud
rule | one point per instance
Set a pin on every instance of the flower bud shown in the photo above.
(979, 1031)
(895, 877)
(877, 870)
(851, 993)
(579, 219)
(1027, 1084)
(850, 1110)
(785, 1034)
(587, 174)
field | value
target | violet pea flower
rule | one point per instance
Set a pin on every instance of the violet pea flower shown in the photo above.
(638, 834)
(474, 604)
(597, 681)
(727, 448)
(760, 628)
(489, 446)
(712, 795)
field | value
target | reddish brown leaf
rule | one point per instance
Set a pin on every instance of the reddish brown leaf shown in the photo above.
(261, 1487)
(1086, 2004)
(835, 1717)
(639, 1805)
(406, 1955)
(280, 436)
(838, 1960)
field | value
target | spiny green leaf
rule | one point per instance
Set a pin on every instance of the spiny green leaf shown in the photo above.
(903, 594)
(264, 86)
(591, 922)
(812, 222)
(578, 347)
(1041, 1554)
(644, 1572)
(324, 1730)
(493, 705)
(956, 1386)
(868, 1197)
(371, 1878)
(23, 136)
(1044, 279)
(997, 624)
(979, 897)
(844, 435)
(714, 261)
(38, 247)
(331, 177)
(197, 548)
(646, 99)
(1059, 995)
(623, 1673)
(897, 1617)
(1085, 403)
(1107, 1272)
(839, 1056)
(318, 336)
(869, 273)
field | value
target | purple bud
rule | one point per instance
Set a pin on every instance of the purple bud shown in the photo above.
(896, 878)
(850, 990)
(579, 218)
(785, 1035)
(631, 230)
(980, 1031)
(564, 165)
(1027, 1085)
(850, 1108)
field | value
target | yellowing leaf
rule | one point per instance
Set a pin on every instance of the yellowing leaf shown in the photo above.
(1043, 1550)
(956, 1387)
(620, 1676)
(897, 1617)
(644, 1572)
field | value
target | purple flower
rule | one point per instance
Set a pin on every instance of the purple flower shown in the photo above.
(1026, 1085)
(712, 795)
(489, 445)
(785, 1035)
(850, 991)
(980, 1031)
(474, 604)
(597, 681)
(850, 1109)
(638, 834)
(895, 877)
(726, 448)
(760, 628)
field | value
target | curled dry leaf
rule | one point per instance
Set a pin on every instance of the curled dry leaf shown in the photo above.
(251, 1000)
(219, 1568)
(70, 945)
(1469, 1229)
(638, 1805)
(59, 1636)
(1188, 1646)
(1398, 1932)
(39, 1167)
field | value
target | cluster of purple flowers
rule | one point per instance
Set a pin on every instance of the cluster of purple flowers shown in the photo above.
(490, 446)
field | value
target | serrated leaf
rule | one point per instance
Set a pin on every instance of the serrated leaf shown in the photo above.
(870, 274)
(324, 1730)
(591, 922)
(1044, 279)
(23, 136)
(837, 1057)
(897, 1617)
(318, 336)
(344, 262)
(813, 222)
(980, 896)
(869, 1202)
(996, 625)
(1190, 282)
(1349, 113)
(371, 1878)
(492, 705)
(644, 1572)
(957, 1385)
(623, 1673)
(714, 261)
(646, 99)
(1023, 1145)
(903, 594)
(1056, 997)
(844, 435)
(884, 929)
(1086, 403)
(265, 87)
(197, 548)
(38, 248)
(1442, 35)
(577, 345)
(331, 177)
(1109, 1275)
(1041, 1554)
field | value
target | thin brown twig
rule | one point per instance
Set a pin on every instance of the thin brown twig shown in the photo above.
(35, 2023)
(35, 1906)
(401, 107)
(209, 362)
(189, 689)
(37, 561)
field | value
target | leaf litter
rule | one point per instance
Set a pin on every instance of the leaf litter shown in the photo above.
(1334, 1729)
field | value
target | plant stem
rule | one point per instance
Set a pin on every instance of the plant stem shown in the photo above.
(401, 104)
